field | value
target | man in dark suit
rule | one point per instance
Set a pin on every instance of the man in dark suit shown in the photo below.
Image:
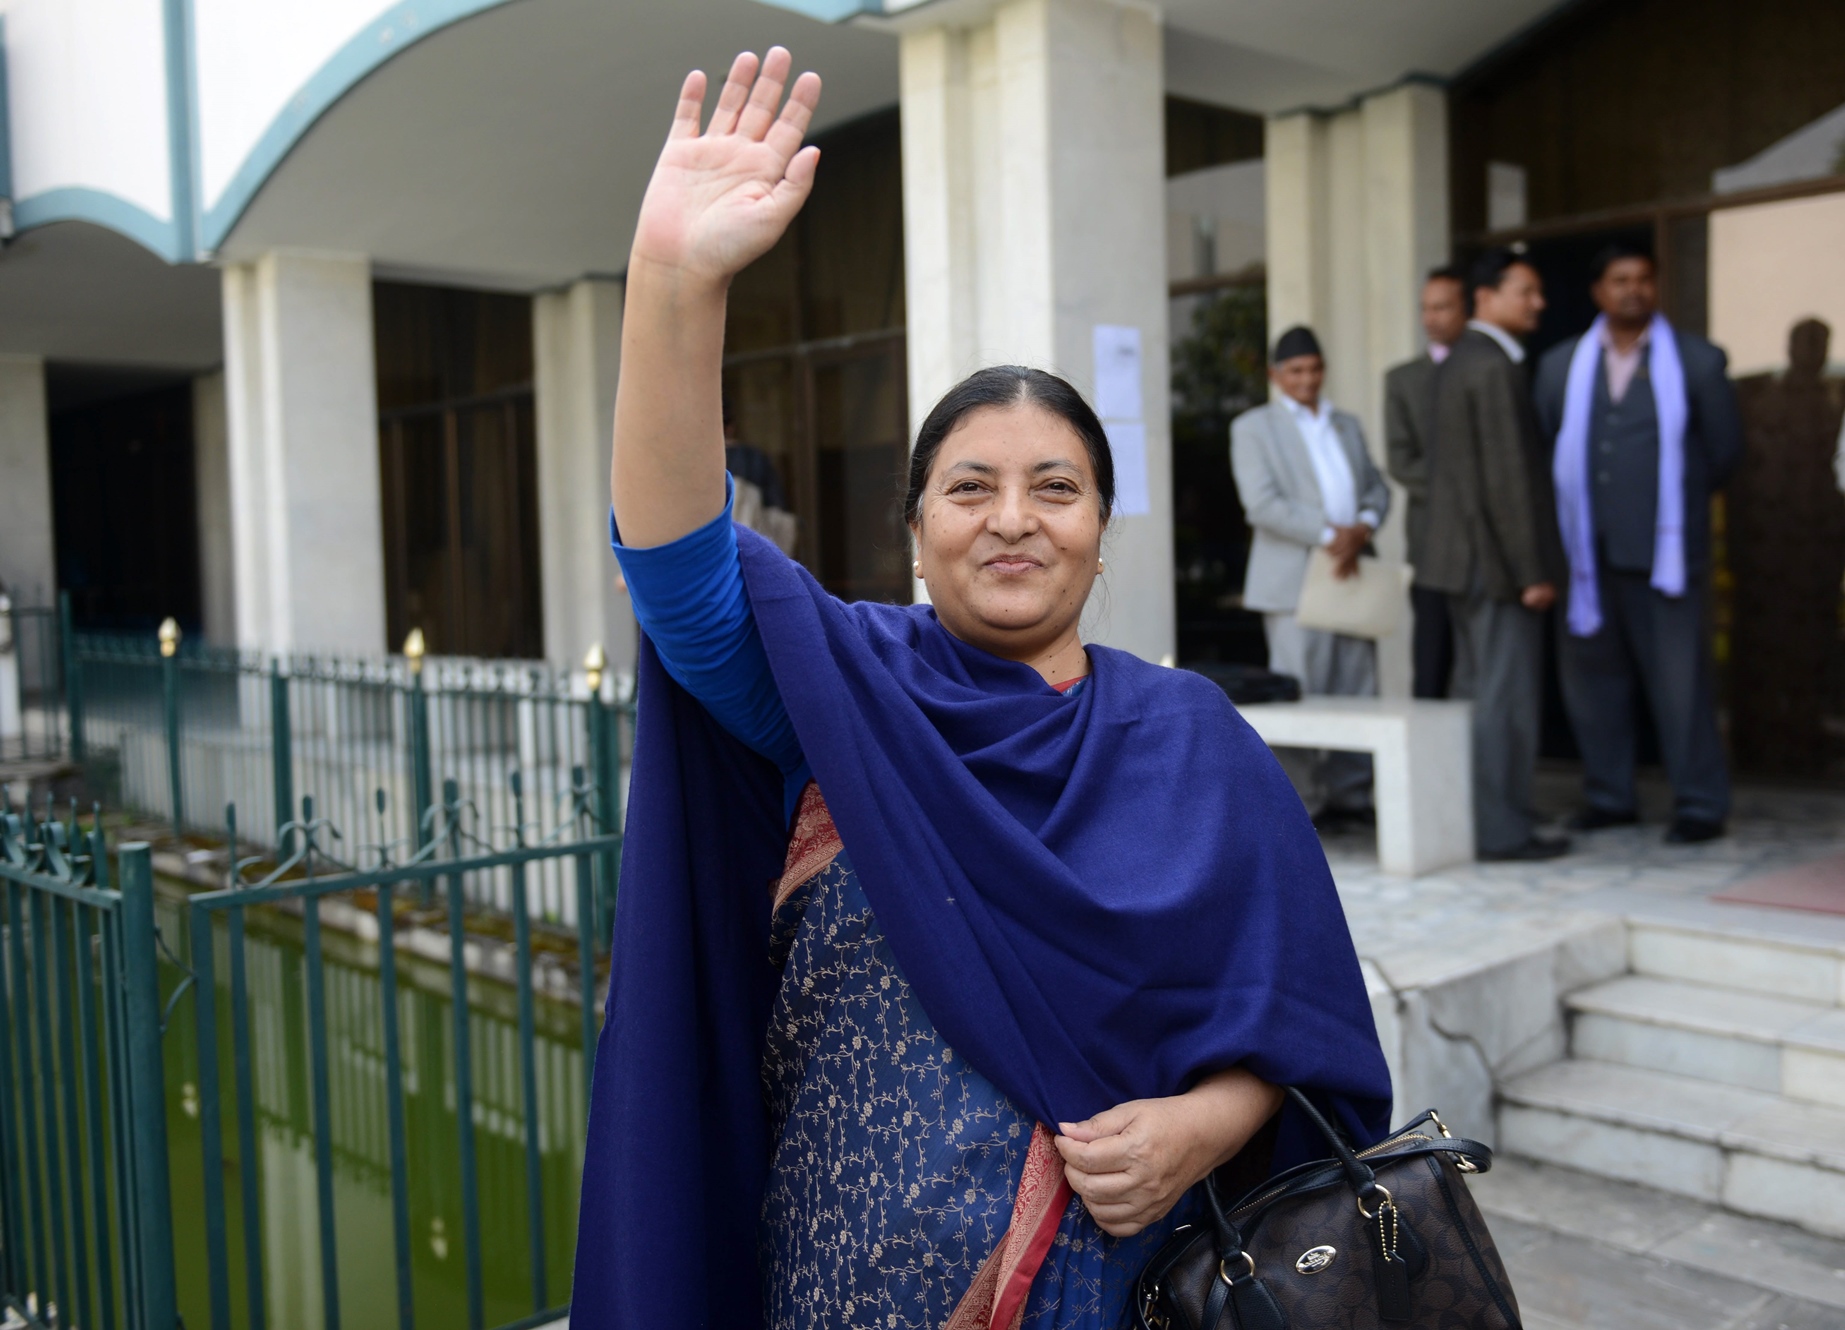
(1491, 544)
(1645, 426)
(1409, 400)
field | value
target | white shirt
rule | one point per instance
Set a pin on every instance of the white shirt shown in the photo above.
(1331, 468)
(1507, 343)
(1621, 366)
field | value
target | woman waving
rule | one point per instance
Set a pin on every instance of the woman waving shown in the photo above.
(951, 952)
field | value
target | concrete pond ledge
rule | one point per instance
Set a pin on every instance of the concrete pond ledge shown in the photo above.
(1456, 1021)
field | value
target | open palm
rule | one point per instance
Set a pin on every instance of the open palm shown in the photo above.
(719, 199)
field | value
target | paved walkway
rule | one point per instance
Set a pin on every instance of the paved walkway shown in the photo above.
(1585, 1253)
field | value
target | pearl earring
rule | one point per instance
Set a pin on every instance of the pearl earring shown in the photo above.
(916, 568)
(1100, 567)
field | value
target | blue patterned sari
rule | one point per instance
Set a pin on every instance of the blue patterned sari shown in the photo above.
(896, 1163)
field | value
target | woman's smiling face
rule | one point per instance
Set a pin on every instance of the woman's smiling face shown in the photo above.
(1011, 528)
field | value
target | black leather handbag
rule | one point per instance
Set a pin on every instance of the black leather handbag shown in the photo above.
(1386, 1238)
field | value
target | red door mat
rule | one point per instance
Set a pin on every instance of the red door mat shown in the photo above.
(1818, 886)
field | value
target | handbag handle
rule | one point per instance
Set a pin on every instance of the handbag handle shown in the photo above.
(1358, 1175)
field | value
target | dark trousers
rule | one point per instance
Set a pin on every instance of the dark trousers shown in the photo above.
(1657, 647)
(1499, 666)
(1432, 643)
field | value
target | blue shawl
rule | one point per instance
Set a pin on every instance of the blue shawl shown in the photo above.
(1570, 470)
(1096, 899)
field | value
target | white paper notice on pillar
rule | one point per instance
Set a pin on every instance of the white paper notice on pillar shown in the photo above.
(1117, 372)
(1127, 440)
(1118, 402)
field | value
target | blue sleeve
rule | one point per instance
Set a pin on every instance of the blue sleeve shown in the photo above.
(688, 595)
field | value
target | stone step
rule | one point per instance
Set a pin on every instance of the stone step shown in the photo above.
(1775, 960)
(1777, 1045)
(1746, 1150)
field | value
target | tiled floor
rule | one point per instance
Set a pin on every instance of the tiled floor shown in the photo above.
(1771, 829)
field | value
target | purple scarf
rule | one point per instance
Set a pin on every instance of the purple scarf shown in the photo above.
(1095, 899)
(1570, 470)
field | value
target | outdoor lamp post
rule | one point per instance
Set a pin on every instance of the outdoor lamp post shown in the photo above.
(169, 680)
(421, 776)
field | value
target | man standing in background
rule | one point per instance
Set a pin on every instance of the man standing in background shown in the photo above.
(1409, 401)
(1646, 427)
(1491, 544)
(1307, 480)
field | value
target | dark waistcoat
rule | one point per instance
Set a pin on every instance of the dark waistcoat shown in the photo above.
(1624, 472)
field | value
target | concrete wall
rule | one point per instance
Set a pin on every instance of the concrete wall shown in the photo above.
(1034, 211)
(88, 94)
(28, 564)
(1357, 215)
(1771, 266)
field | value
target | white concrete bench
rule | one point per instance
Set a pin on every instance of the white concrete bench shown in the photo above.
(1421, 757)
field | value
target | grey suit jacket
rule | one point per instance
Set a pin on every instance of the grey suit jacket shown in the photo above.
(1492, 517)
(1627, 507)
(1409, 401)
(1281, 498)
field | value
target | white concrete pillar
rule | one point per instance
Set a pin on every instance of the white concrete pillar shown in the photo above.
(1034, 212)
(576, 336)
(1357, 215)
(28, 561)
(301, 403)
(211, 470)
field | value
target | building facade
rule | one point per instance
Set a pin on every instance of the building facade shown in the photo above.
(310, 314)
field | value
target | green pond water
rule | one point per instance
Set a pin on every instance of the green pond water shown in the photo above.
(285, 1146)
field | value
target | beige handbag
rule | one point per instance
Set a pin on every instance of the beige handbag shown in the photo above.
(1368, 604)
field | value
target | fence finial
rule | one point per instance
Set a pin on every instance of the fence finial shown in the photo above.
(593, 665)
(169, 636)
(413, 650)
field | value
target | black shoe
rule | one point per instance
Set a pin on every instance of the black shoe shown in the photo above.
(1533, 850)
(1595, 819)
(1343, 819)
(1692, 831)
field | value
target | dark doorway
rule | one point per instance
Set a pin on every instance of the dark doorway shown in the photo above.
(814, 368)
(123, 502)
(1219, 326)
(1218, 372)
(459, 457)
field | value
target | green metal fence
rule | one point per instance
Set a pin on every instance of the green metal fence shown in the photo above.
(451, 857)
(173, 731)
(84, 1187)
(88, 1223)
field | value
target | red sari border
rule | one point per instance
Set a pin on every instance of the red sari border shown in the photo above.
(996, 1300)
(812, 845)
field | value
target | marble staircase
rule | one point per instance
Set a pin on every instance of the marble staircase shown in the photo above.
(1714, 1068)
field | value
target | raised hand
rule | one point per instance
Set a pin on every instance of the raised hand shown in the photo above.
(719, 199)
